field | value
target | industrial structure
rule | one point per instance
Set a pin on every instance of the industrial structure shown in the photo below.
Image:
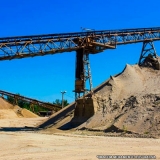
(31, 101)
(84, 43)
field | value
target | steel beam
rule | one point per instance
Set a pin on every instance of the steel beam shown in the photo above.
(39, 45)
(30, 100)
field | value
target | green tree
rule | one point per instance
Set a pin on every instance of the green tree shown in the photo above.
(27, 105)
(10, 99)
(59, 102)
(65, 102)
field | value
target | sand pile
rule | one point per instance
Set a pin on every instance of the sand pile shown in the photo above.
(7, 114)
(4, 104)
(8, 111)
(28, 114)
(129, 102)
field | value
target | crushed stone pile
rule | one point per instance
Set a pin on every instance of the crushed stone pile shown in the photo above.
(129, 102)
(8, 111)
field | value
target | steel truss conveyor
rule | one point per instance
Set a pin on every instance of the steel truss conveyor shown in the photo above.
(84, 43)
(32, 102)
(39, 45)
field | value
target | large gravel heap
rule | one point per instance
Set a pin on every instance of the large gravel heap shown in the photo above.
(129, 102)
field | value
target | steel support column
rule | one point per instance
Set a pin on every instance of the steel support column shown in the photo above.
(83, 80)
(87, 73)
(147, 50)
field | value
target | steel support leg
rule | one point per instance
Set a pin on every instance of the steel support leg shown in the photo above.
(84, 106)
(147, 50)
(83, 80)
(87, 74)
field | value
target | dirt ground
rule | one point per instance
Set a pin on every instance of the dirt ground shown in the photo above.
(21, 122)
(71, 146)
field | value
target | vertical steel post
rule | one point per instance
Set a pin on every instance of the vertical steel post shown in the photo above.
(83, 74)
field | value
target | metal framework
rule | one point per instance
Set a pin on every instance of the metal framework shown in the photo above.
(87, 73)
(31, 101)
(147, 49)
(84, 43)
(97, 41)
(83, 74)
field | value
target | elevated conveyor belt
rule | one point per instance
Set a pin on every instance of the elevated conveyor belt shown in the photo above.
(17, 97)
(40, 45)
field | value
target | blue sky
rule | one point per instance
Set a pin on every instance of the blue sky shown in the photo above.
(44, 77)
